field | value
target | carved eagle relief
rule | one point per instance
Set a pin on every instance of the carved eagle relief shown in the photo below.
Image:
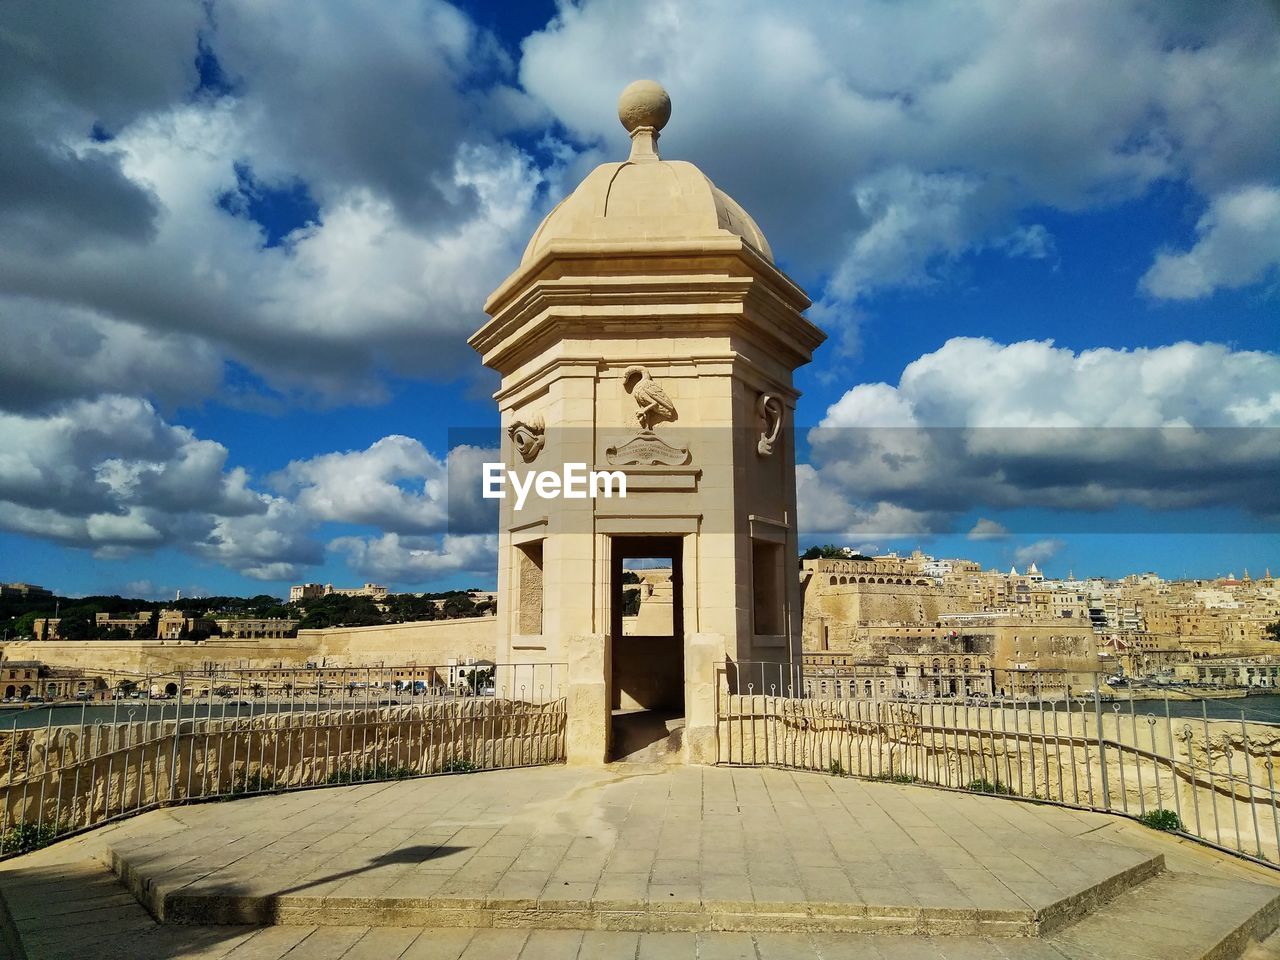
(655, 406)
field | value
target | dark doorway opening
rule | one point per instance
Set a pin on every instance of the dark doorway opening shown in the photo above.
(647, 649)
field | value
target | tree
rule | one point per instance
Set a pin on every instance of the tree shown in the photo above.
(459, 606)
(337, 610)
(829, 551)
(630, 602)
(478, 678)
(1272, 631)
(77, 624)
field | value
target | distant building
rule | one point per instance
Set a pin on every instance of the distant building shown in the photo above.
(31, 678)
(46, 628)
(270, 628)
(176, 625)
(131, 622)
(312, 591)
(27, 590)
(1232, 672)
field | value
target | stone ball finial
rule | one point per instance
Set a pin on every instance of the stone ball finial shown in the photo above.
(644, 103)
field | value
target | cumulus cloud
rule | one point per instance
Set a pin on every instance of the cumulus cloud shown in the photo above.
(1038, 552)
(276, 544)
(1238, 243)
(987, 529)
(978, 424)
(395, 484)
(115, 220)
(825, 507)
(413, 559)
(113, 476)
(928, 130)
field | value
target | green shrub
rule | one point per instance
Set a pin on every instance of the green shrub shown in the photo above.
(24, 837)
(986, 786)
(458, 766)
(836, 769)
(252, 783)
(896, 778)
(374, 771)
(1162, 819)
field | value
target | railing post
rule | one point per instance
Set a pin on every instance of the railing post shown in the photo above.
(1102, 755)
(177, 732)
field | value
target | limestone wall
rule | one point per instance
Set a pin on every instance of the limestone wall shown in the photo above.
(1218, 777)
(426, 642)
(73, 777)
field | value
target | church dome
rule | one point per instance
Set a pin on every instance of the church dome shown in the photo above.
(645, 198)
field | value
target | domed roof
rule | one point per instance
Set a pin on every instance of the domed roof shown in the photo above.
(646, 197)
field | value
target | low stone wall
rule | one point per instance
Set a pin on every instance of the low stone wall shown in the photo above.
(67, 778)
(1218, 777)
(424, 642)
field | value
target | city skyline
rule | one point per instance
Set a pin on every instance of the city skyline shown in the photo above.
(248, 248)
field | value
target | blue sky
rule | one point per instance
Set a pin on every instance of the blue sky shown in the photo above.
(242, 246)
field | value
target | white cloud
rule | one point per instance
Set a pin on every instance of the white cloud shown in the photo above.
(1038, 552)
(978, 424)
(113, 476)
(423, 206)
(395, 484)
(987, 529)
(927, 129)
(276, 544)
(415, 559)
(878, 145)
(1238, 243)
(824, 507)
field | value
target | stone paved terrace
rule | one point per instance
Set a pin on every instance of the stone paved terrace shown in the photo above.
(635, 861)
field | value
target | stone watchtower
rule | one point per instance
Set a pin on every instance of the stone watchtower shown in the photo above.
(647, 332)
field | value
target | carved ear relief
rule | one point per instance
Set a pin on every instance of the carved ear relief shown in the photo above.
(529, 436)
(770, 410)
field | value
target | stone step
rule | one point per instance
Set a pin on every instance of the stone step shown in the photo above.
(179, 901)
(1175, 916)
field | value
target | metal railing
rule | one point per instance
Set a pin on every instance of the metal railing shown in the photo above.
(1191, 765)
(174, 738)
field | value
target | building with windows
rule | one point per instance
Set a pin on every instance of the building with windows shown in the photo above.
(28, 591)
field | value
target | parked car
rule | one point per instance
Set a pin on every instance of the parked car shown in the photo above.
(84, 695)
(35, 699)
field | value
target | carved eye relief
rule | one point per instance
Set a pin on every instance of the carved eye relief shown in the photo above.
(529, 437)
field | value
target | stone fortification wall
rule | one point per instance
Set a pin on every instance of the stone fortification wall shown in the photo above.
(1217, 776)
(67, 778)
(426, 642)
(835, 614)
